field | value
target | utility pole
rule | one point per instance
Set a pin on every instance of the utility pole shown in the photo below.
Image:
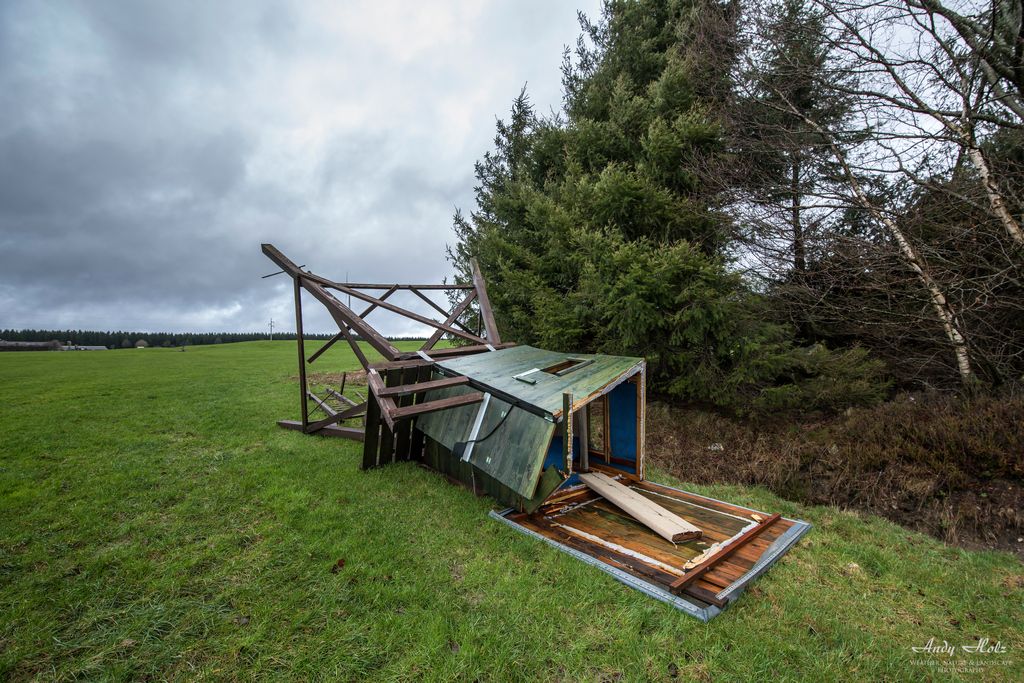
(271, 329)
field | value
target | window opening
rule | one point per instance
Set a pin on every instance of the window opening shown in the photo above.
(567, 366)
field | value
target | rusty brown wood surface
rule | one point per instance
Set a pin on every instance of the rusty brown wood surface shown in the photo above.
(582, 517)
(724, 554)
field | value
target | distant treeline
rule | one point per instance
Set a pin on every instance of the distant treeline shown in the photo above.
(119, 339)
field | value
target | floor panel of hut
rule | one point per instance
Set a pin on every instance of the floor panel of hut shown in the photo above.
(589, 523)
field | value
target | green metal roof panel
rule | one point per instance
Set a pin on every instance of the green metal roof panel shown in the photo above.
(511, 443)
(497, 370)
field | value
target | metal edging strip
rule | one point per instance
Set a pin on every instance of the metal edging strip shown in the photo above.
(476, 427)
(779, 547)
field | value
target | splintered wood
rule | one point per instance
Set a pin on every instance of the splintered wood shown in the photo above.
(669, 526)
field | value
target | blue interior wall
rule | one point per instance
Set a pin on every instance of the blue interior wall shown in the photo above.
(622, 418)
(622, 424)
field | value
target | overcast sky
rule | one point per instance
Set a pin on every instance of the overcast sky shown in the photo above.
(148, 148)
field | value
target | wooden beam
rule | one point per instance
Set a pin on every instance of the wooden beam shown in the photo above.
(666, 524)
(329, 344)
(343, 316)
(409, 314)
(439, 309)
(490, 327)
(360, 285)
(354, 345)
(372, 433)
(387, 406)
(722, 555)
(467, 350)
(333, 430)
(323, 406)
(384, 296)
(356, 411)
(435, 406)
(344, 333)
(448, 321)
(421, 387)
(341, 397)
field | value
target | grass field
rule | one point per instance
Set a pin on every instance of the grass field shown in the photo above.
(155, 524)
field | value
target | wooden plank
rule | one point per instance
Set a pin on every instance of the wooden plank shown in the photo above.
(389, 429)
(456, 351)
(490, 327)
(354, 345)
(386, 405)
(343, 432)
(453, 317)
(666, 524)
(372, 429)
(422, 387)
(724, 554)
(704, 595)
(435, 406)
(384, 296)
(405, 363)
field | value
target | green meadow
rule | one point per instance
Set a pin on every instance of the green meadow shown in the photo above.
(156, 524)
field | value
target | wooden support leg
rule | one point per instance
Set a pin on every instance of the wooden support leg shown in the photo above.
(392, 378)
(372, 432)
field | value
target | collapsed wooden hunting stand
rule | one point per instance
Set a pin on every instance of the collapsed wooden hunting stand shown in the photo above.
(559, 438)
(398, 403)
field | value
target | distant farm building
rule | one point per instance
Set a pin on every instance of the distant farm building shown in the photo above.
(29, 346)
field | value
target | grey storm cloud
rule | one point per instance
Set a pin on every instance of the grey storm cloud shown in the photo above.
(148, 148)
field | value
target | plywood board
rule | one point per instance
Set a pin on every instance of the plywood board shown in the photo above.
(668, 525)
